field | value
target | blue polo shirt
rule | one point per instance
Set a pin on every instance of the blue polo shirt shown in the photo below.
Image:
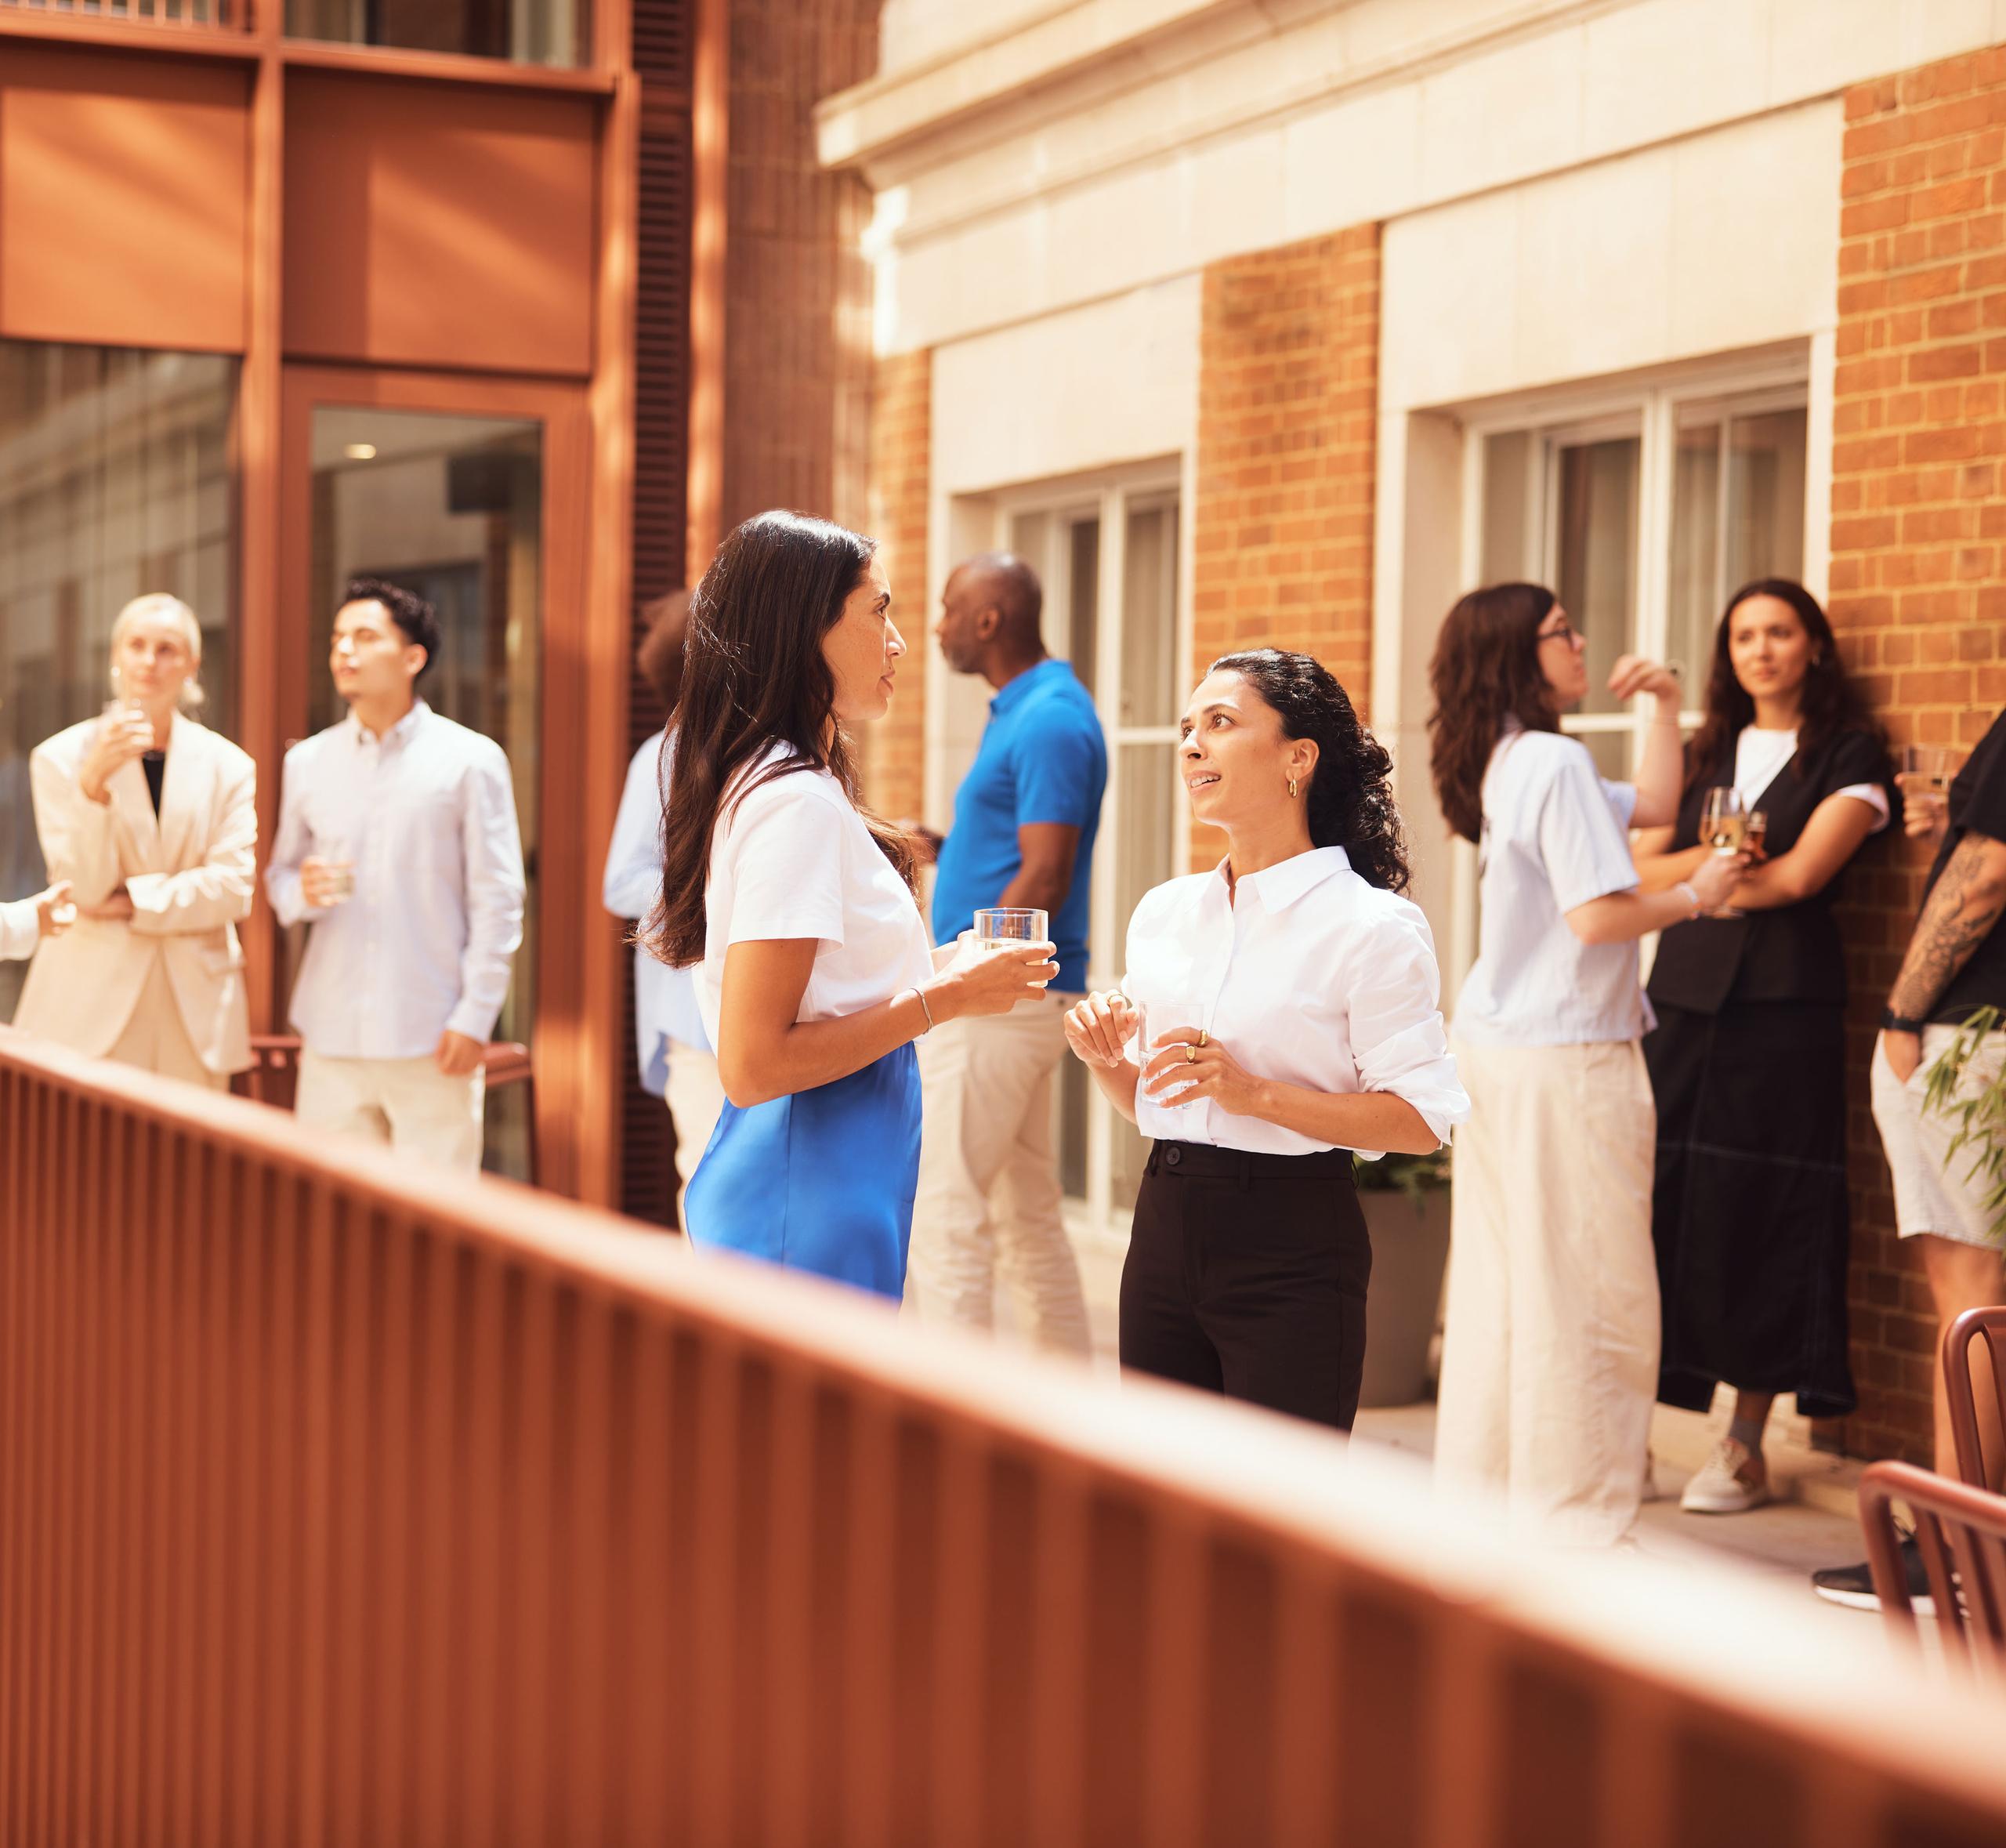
(1042, 758)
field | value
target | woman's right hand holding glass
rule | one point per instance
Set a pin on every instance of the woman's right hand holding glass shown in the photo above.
(1714, 879)
(1099, 1028)
(989, 981)
(124, 733)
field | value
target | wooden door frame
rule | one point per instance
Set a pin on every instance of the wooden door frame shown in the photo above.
(577, 1046)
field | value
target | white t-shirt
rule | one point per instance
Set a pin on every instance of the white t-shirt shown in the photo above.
(1759, 758)
(1554, 838)
(792, 859)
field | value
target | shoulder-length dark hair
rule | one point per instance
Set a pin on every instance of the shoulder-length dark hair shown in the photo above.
(1485, 670)
(1350, 796)
(1832, 702)
(754, 677)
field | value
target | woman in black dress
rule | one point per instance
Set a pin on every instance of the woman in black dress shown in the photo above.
(1747, 1062)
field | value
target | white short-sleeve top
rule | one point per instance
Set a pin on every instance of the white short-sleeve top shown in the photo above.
(792, 858)
(1304, 973)
(1554, 838)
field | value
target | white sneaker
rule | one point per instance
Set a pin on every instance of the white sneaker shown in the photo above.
(1734, 1480)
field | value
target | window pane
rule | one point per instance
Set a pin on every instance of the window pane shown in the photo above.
(113, 481)
(450, 507)
(1146, 809)
(1149, 618)
(526, 31)
(1764, 534)
(1083, 597)
(1596, 544)
(1696, 586)
(1611, 750)
(1509, 554)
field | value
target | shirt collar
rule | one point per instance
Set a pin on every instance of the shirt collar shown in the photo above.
(1279, 886)
(399, 734)
(1019, 690)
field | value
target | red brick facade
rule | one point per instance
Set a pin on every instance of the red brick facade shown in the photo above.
(1287, 395)
(1918, 542)
(900, 468)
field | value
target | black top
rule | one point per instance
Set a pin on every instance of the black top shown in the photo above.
(154, 764)
(1978, 805)
(1791, 953)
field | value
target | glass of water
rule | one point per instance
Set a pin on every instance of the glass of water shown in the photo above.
(338, 851)
(1174, 1014)
(1002, 925)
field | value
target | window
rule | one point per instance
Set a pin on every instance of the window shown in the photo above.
(525, 32)
(1643, 519)
(1108, 557)
(115, 480)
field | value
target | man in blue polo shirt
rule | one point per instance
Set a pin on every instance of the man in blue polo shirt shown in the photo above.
(1025, 818)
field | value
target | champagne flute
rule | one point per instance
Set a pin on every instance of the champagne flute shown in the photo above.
(1754, 828)
(1724, 826)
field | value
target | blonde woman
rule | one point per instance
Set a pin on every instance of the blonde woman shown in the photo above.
(152, 820)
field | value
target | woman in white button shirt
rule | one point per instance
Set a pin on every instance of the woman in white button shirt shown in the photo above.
(1315, 1033)
(815, 972)
(1549, 1358)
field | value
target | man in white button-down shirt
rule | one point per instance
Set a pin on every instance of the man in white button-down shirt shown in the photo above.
(397, 841)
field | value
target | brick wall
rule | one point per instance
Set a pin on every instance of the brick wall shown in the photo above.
(797, 284)
(900, 463)
(1289, 363)
(1918, 542)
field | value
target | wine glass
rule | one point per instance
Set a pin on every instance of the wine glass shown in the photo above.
(1724, 827)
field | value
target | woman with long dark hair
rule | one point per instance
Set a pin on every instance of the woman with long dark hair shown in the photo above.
(1286, 1006)
(815, 975)
(1747, 1061)
(1549, 1357)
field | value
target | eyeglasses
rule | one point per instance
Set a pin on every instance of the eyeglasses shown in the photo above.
(1566, 631)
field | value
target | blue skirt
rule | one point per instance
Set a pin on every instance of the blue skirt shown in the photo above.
(822, 1181)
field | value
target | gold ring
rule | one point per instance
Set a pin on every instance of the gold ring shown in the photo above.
(1190, 1055)
(1202, 1039)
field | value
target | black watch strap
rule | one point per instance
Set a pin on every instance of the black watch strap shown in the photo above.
(1891, 1022)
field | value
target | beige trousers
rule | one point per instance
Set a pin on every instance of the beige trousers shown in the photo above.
(409, 1104)
(156, 1040)
(695, 1101)
(989, 1203)
(1550, 1351)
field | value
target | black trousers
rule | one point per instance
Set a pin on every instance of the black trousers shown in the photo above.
(1246, 1275)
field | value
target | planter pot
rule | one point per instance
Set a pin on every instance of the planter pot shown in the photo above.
(1409, 1252)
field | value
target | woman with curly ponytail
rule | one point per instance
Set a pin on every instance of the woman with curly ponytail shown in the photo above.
(1549, 1355)
(1286, 1006)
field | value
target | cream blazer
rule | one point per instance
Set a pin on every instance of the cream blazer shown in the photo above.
(191, 873)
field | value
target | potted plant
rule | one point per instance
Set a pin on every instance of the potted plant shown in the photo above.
(1406, 1200)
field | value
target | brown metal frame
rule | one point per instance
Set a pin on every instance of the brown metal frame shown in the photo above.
(1959, 1385)
(346, 1500)
(1960, 1534)
(576, 1039)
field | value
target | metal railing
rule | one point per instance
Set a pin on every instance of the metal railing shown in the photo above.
(341, 1502)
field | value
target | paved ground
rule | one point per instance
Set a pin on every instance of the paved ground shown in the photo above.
(1813, 1525)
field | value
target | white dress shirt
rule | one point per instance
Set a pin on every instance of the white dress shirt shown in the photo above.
(791, 859)
(1554, 838)
(423, 946)
(1305, 974)
(665, 998)
(20, 930)
(1759, 758)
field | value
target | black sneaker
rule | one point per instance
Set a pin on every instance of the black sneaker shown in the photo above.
(1853, 1585)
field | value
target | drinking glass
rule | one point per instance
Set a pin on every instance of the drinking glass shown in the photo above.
(1173, 1013)
(1926, 774)
(338, 851)
(1755, 829)
(1001, 925)
(1724, 826)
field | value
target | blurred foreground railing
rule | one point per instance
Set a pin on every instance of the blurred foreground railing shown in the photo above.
(343, 1504)
(230, 14)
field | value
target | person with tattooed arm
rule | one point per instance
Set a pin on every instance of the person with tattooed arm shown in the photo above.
(1956, 964)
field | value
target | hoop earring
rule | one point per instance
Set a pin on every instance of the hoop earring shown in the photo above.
(1291, 786)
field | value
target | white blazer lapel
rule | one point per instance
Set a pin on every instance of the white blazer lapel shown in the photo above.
(133, 803)
(183, 789)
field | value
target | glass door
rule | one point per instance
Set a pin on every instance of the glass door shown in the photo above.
(455, 502)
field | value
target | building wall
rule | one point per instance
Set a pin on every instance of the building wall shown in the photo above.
(1918, 516)
(900, 472)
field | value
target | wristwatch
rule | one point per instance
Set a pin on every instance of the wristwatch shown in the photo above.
(1891, 1022)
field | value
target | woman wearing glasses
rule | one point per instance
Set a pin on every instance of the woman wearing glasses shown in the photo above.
(1747, 1061)
(1549, 1361)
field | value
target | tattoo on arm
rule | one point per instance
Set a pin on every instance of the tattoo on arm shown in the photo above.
(1962, 909)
